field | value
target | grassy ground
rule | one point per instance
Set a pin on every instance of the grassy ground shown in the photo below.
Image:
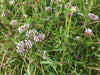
(65, 50)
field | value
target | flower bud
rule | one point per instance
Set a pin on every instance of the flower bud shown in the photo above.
(74, 9)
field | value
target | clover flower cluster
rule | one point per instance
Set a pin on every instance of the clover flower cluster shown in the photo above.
(88, 32)
(23, 28)
(31, 33)
(39, 37)
(24, 46)
(35, 35)
(48, 9)
(13, 22)
(93, 16)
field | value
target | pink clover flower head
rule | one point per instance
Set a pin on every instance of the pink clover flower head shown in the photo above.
(24, 46)
(13, 22)
(39, 38)
(88, 32)
(48, 9)
(93, 16)
(23, 28)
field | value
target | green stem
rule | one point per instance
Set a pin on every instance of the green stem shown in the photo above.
(67, 30)
(86, 55)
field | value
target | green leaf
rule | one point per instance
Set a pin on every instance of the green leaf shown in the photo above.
(46, 62)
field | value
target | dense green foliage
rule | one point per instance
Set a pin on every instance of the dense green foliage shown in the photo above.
(65, 54)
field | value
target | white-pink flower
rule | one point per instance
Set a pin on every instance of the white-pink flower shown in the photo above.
(24, 46)
(31, 33)
(92, 47)
(13, 22)
(48, 9)
(88, 32)
(77, 37)
(39, 38)
(35, 35)
(23, 28)
(93, 16)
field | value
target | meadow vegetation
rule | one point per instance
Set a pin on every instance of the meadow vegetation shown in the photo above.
(49, 37)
